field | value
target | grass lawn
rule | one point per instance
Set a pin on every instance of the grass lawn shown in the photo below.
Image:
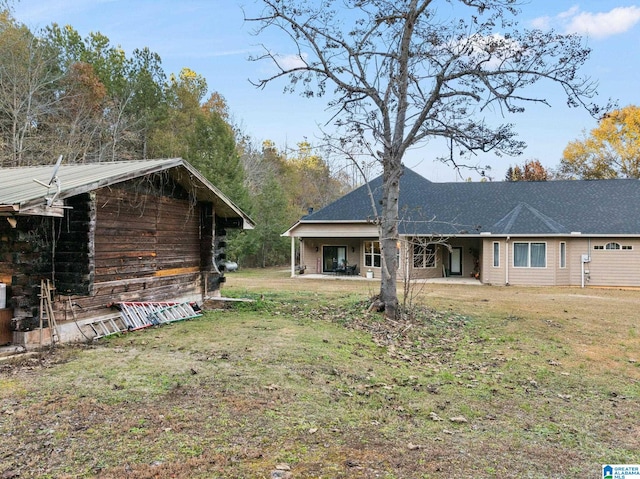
(485, 382)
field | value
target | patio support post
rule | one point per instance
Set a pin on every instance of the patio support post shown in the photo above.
(506, 261)
(293, 256)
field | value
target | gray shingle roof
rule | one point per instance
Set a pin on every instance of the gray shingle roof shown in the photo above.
(600, 207)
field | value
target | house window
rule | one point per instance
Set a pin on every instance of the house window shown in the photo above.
(372, 254)
(563, 254)
(496, 255)
(613, 246)
(424, 255)
(530, 255)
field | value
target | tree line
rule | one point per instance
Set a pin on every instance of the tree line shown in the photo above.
(610, 150)
(87, 100)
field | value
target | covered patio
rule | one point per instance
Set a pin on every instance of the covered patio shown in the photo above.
(444, 280)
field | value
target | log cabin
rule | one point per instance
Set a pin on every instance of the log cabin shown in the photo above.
(106, 233)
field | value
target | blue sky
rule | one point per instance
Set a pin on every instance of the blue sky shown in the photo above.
(211, 38)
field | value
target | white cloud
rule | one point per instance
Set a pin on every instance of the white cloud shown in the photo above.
(601, 25)
(569, 13)
(289, 62)
(597, 25)
(543, 23)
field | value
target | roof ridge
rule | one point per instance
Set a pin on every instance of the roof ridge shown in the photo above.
(552, 224)
(511, 217)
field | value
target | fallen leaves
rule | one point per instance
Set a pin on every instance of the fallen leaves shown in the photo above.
(458, 419)
(415, 447)
(434, 417)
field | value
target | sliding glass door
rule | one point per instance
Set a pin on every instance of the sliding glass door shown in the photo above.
(333, 257)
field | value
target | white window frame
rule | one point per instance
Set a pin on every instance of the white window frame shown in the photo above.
(529, 254)
(428, 255)
(563, 254)
(496, 254)
(610, 246)
(371, 253)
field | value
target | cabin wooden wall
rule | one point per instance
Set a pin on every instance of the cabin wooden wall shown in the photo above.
(142, 235)
(25, 258)
(145, 247)
(123, 243)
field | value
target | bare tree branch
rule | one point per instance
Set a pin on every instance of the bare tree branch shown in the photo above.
(404, 73)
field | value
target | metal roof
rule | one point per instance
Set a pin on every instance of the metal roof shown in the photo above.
(22, 189)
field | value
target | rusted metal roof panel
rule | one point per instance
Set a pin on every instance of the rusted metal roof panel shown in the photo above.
(22, 189)
(19, 185)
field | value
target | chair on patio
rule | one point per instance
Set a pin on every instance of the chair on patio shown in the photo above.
(351, 270)
(334, 266)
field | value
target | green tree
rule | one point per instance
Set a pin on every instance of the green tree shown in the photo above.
(133, 102)
(148, 107)
(611, 150)
(402, 74)
(264, 246)
(310, 181)
(212, 150)
(184, 95)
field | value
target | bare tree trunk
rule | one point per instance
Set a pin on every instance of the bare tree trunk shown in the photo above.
(389, 237)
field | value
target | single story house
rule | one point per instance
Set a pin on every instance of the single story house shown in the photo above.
(104, 233)
(554, 233)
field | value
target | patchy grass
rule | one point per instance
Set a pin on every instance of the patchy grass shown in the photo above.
(485, 382)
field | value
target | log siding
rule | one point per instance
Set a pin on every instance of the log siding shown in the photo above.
(144, 235)
(113, 244)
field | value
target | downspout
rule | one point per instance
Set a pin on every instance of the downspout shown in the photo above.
(293, 256)
(585, 259)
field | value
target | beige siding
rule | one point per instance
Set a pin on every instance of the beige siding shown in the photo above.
(612, 267)
(607, 267)
(336, 230)
(549, 275)
(408, 271)
(577, 247)
(491, 274)
(563, 274)
(470, 250)
(312, 259)
(535, 276)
